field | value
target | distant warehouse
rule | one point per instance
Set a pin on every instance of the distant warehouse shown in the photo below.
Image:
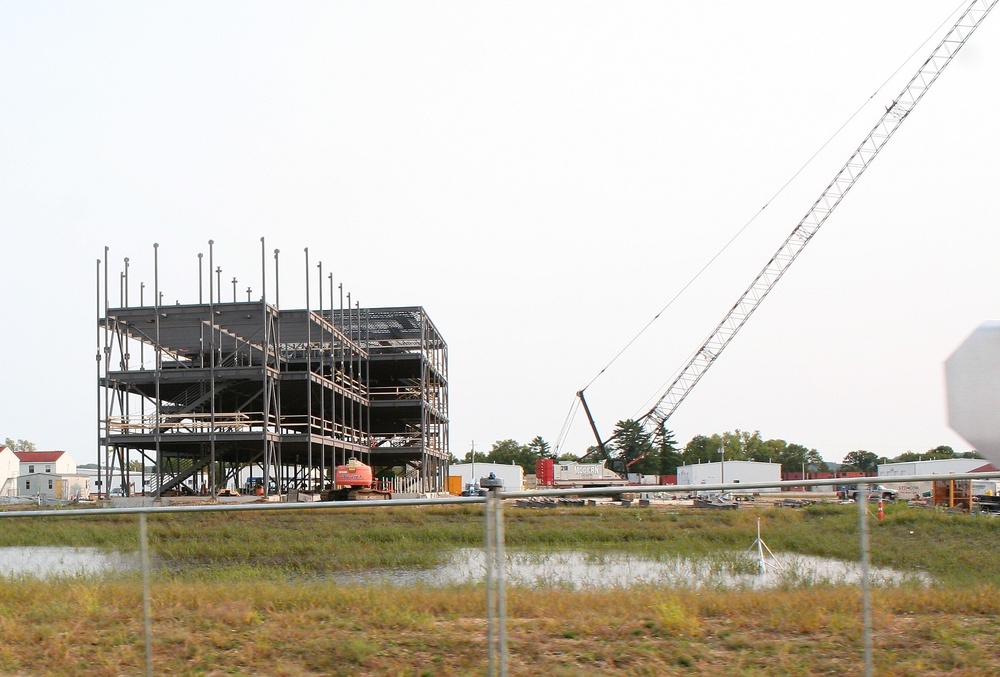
(944, 466)
(728, 472)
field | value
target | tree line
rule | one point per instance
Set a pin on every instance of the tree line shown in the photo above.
(633, 449)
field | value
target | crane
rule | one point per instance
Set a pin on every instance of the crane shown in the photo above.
(802, 234)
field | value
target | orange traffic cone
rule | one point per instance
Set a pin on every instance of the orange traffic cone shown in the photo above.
(881, 511)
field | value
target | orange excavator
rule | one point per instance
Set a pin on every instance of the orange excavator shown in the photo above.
(354, 481)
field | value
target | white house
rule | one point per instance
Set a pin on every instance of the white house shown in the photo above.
(49, 474)
(9, 470)
(728, 472)
(58, 462)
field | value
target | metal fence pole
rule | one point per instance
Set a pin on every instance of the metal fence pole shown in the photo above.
(861, 496)
(147, 613)
(490, 561)
(496, 594)
(501, 580)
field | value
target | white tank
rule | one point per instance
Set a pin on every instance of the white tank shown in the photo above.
(972, 377)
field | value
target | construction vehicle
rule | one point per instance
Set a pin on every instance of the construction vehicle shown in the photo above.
(355, 481)
(895, 113)
(473, 489)
(564, 474)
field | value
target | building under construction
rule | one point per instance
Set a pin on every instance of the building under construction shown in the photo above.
(197, 397)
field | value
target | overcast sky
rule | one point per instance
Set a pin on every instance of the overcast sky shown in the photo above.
(542, 177)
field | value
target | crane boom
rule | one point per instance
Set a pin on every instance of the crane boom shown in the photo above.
(845, 179)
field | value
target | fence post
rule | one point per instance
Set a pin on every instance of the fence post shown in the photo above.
(147, 611)
(496, 593)
(490, 558)
(861, 496)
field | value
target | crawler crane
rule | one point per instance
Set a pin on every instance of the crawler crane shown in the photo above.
(863, 156)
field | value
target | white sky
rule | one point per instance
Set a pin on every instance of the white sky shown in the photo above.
(541, 177)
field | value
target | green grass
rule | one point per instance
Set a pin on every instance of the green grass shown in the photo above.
(249, 593)
(954, 549)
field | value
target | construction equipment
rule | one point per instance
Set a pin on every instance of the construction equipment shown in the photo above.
(355, 481)
(750, 300)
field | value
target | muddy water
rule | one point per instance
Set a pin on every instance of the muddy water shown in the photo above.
(579, 570)
(51, 562)
(565, 569)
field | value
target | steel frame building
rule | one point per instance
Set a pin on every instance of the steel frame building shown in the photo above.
(207, 393)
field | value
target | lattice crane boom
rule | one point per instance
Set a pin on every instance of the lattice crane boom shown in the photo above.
(817, 215)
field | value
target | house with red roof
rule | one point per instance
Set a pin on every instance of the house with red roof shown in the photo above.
(58, 462)
(50, 475)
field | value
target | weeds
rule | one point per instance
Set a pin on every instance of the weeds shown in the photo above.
(261, 593)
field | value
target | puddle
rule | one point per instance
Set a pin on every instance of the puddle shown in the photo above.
(54, 561)
(579, 570)
(565, 569)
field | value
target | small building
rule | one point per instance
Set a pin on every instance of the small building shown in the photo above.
(54, 486)
(511, 475)
(729, 472)
(943, 466)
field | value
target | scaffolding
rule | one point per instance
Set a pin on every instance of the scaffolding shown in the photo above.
(208, 394)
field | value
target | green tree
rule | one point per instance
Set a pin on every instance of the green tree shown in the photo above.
(864, 461)
(939, 452)
(633, 449)
(540, 447)
(741, 445)
(507, 452)
(19, 445)
(701, 449)
(670, 457)
(796, 458)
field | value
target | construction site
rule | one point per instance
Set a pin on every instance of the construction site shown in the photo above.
(214, 395)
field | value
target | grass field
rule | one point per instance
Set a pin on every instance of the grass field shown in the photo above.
(257, 593)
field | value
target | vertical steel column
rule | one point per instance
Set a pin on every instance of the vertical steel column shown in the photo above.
(127, 403)
(333, 380)
(211, 364)
(106, 419)
(277, 404)
(322, 379)
(361, 437)
(158, 366)
(349, 367)
(309, 422)
(265, 360)
(424, 457)
(367, 366)
(345, 345)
